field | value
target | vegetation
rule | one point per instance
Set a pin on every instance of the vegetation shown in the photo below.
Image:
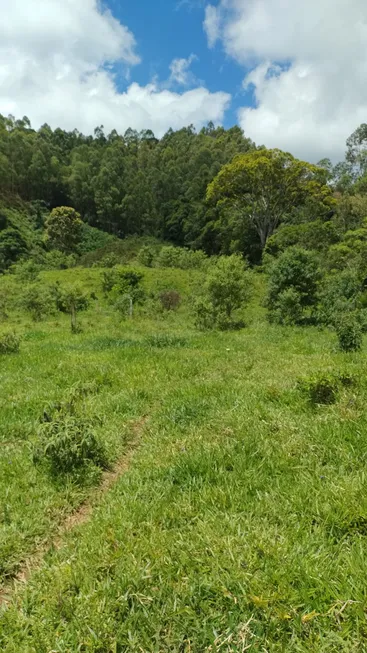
(184, 470)
(226, 288)
(267, 186)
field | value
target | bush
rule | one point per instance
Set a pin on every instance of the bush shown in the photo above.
(67, 443)
(170, 299)
(38, 301)
(340, 294)
(205, 316)
(146, 256)
(227, 288)
(109, 279)
(295, 269)
(5, 295)
(56, 260)
(321, 389)
(27, 270)
(169, 257)
(127, 289)
(180, 257)
(93, 239)
(9, 343)
(108, 261)
(349, 332)
(64, 296)
(289, 308)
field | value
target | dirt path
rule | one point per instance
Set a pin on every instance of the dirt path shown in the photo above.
(79, 517)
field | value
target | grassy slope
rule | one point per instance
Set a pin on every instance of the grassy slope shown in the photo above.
(242, 520)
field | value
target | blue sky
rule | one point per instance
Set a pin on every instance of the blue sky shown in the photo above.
(290, 73)
(173, 30)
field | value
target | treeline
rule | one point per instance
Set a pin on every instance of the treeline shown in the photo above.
(213, 190)
(130, 184)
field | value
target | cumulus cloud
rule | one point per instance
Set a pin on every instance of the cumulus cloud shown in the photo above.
(58, 64)
(180, 71)
(308, 65)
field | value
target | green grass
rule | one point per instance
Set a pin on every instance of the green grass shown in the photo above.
(242, 521)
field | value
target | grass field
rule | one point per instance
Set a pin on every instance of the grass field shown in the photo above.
(241, 522)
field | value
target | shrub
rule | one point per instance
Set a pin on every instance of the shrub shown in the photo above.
(180, 257)
(146, 256)
(205, 317)
(170, 299)
(127, 290)
(227, 287)
(66, 295)
(27, 270)
(340, 294)
(289, 308)
(5, 294)
(109, 279)
(296, 269)
(67, 443)
(108, 261)
(56, 260)
(9, 343)
(321, 389)
(349, 332)
(169, 257)
(38, 301)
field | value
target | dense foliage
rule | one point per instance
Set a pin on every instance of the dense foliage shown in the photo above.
(212, 191)
(130, 184)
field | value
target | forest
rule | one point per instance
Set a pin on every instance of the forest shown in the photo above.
(136, 184)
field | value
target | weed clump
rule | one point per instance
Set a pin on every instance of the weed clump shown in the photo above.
(9, 343)
(349, 332)
(163, 340)
(320, 389)
(67, 441)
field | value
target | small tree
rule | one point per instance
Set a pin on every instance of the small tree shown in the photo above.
(64, 229)
(72, 299)
(227, 288)
(127, 290)
(295, 269)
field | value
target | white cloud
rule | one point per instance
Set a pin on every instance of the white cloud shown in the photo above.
(212, 25)
(58, 60)
(317, 96)
(180, 71)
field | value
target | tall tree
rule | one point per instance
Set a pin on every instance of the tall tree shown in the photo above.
(266, 186)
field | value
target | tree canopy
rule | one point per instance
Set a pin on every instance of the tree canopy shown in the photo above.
(211, 190)
(268, 186)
